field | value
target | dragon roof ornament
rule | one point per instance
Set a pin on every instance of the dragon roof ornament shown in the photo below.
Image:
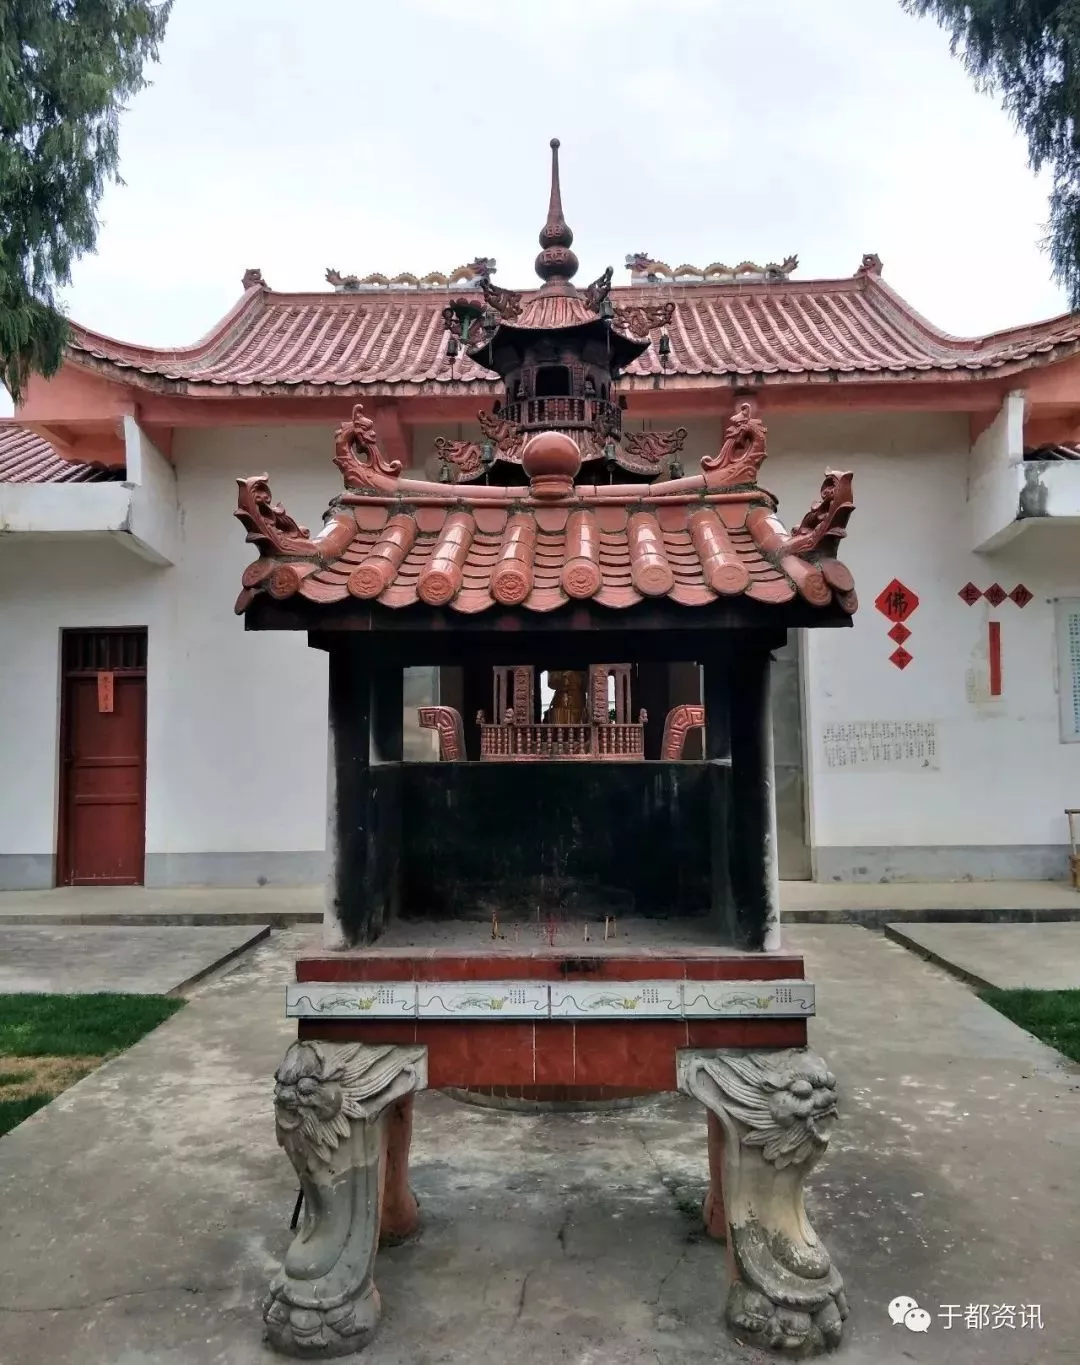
(642, 267)
(474, 274)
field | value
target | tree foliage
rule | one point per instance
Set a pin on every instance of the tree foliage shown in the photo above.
(66, 68)
(1028, 51)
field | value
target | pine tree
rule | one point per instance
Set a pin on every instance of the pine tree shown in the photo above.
(1028, 51)
(66, 68)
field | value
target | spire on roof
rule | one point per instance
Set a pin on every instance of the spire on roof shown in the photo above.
(556, 261)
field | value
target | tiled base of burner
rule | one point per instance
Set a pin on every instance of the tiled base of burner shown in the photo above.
(628, 1054)
(529, 1013)
(542, 1000)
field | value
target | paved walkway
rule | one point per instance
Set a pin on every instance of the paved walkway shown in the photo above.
(184, 905)
(914, 897)
(146, 1209)
(815, 902)
(1046, 956)
(149, 960)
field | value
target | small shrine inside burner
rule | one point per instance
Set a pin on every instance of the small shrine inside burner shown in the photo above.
(589, 716)
(557, 541)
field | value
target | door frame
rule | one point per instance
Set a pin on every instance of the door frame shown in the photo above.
(62, 860)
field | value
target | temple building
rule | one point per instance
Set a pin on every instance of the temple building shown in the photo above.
(584, 558)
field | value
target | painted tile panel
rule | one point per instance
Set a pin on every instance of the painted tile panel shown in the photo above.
(482, 1000)
(539, 1001)
(364, 1000)
(726, 999)
(632, 999)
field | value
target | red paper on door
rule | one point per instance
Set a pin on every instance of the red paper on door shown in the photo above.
(104, 692)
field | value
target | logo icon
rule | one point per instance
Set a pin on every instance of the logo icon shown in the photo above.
(905, 1310)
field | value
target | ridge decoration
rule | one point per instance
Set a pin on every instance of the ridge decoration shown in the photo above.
(639, 319)
(268, 524)
(460, 317)
(357, 438)
(744, 450)
(506, 302)
(464, 274)
(653, 446)
(505, 435)
(827, 518)
(598, 291)
(641, 263)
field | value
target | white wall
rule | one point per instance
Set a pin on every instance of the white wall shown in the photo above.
(236, 723)
(995, 476)
(64, 508)
(48, 584)
(246, 744)
(140, 513)
(154, 523)
(1004, 777)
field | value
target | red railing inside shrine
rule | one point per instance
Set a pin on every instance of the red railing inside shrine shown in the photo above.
(548, 741)
(563, 412)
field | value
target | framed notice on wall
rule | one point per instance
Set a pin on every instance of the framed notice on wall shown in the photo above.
(909, 746)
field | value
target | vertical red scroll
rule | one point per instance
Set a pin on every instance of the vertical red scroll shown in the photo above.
(994, 652)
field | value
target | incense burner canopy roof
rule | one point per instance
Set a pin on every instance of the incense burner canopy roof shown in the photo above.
(401, 543)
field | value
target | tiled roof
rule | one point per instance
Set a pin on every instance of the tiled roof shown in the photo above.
(781, 330)
(1055, 452)
(405, 541)
(555, 310)
(677, 564)
(26, 457)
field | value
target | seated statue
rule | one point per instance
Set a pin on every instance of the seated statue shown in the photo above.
(569, 706)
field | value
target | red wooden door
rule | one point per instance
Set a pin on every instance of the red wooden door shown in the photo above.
(103, 777)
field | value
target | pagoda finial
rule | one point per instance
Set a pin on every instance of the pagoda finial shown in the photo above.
(556, 260)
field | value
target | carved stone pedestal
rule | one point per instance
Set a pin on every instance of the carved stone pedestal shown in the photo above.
(343, 1117)
(770, 1116)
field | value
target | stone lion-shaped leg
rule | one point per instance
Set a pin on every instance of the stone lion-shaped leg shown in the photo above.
(774, 1111)
(329, 1105)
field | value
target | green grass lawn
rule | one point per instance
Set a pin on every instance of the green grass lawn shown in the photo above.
(51, 1041)
(1052, 1016)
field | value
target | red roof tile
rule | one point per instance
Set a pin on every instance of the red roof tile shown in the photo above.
(781, 329)
(26, 457)
(554, 310)
(1054, 452)
(694, 540)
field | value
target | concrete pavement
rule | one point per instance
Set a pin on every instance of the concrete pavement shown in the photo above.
(801, 902)
(1043, 956)
(147, 1207)
(150, 960)
(188, 905)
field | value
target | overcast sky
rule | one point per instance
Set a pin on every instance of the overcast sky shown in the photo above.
(413, 136)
